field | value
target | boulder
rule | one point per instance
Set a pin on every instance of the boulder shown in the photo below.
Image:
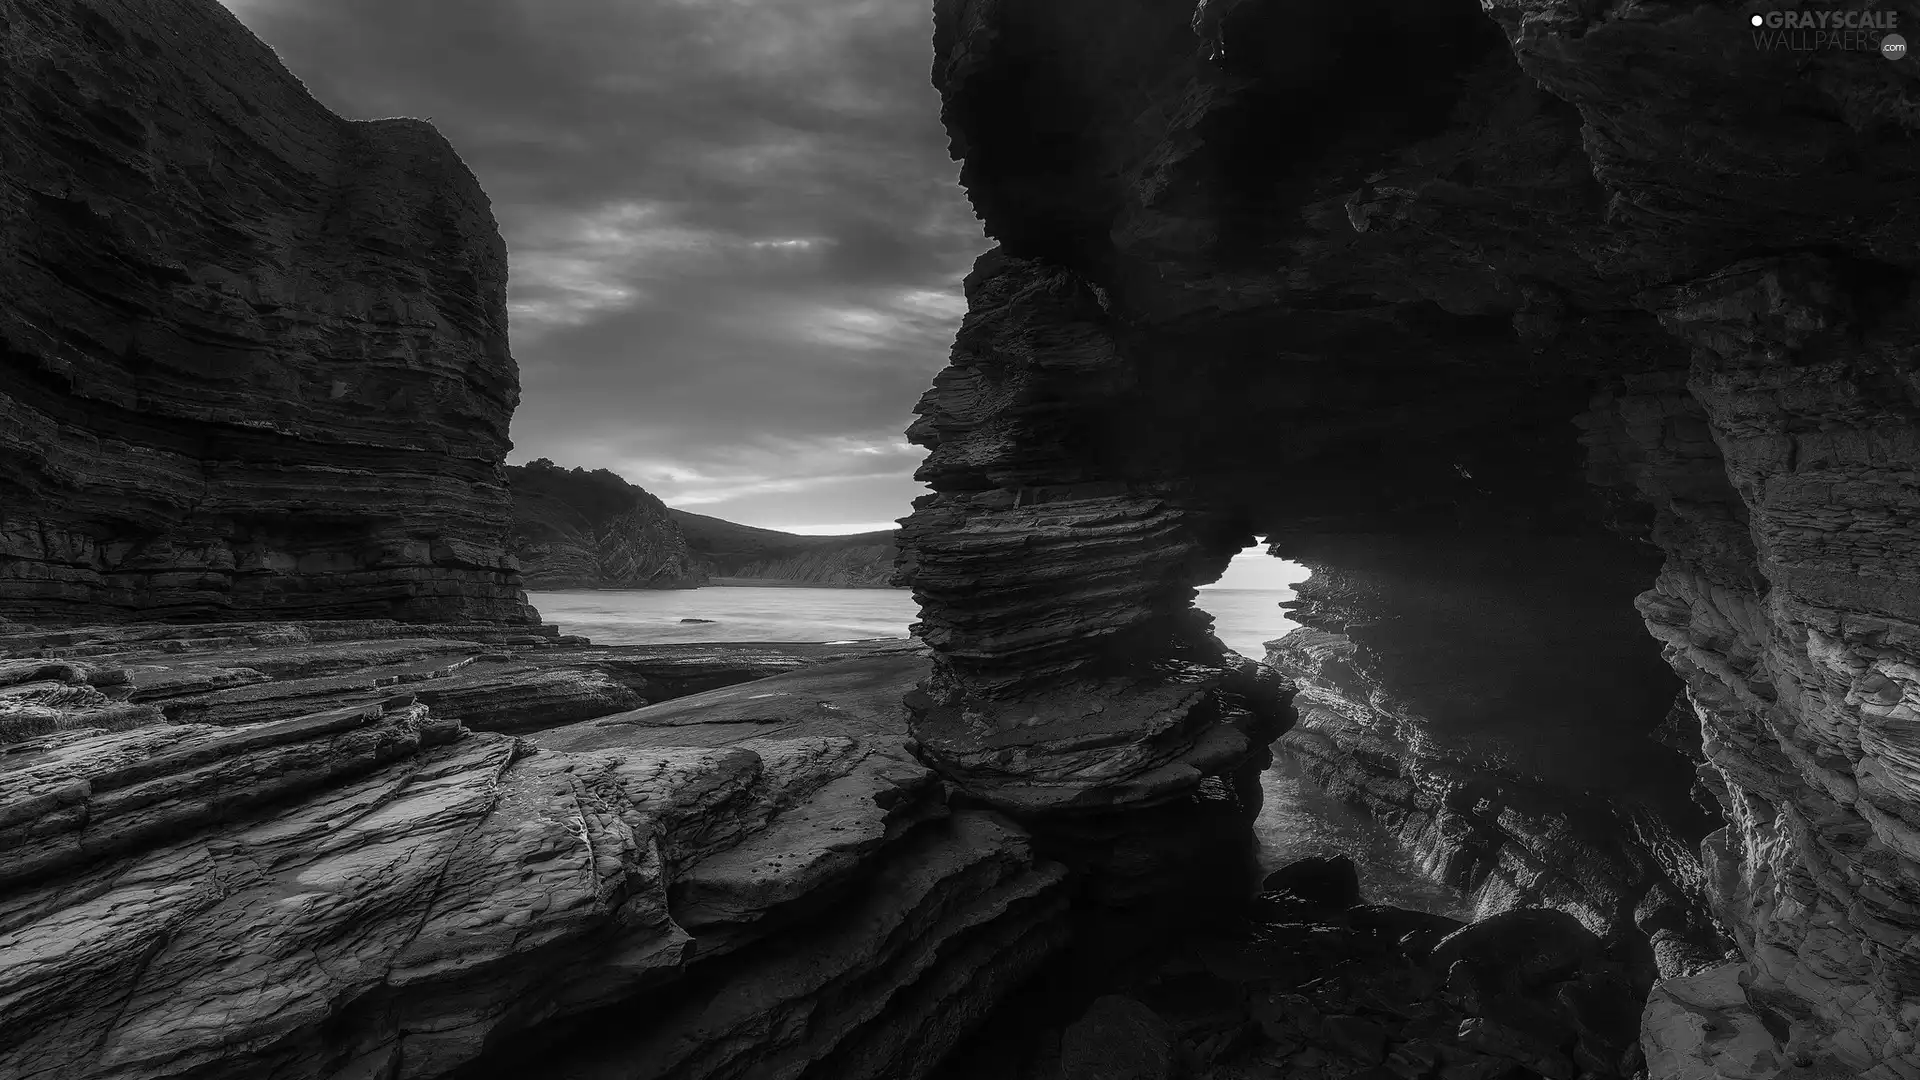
(1327, 882)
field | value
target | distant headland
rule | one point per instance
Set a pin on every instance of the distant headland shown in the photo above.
(575, 529)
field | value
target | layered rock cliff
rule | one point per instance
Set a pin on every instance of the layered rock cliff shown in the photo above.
(752, 555)
(1618, 293)
(255, 356)
(574, 529)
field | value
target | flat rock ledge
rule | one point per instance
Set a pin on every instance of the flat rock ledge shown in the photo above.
(488, 677)
(203, 876)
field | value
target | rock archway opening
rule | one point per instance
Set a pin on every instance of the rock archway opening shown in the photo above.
(1248, 602)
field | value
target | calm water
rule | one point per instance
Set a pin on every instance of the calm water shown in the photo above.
(638, 616)
(1243, 618)
(1296, 821)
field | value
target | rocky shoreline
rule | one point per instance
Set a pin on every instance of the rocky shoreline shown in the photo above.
(334, 828)
(379, 883)
(1570, 345)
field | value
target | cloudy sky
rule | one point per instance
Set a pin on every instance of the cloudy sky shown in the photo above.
(736, 238)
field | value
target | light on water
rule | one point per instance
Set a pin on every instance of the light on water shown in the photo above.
(1245, 602)
(1297, 819)
(737, 613)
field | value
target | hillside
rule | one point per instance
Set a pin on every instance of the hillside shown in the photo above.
(734, 552)
(574, 529)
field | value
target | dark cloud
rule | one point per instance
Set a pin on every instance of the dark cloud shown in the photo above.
(736, 236)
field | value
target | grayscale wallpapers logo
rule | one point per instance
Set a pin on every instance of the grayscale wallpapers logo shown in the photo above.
(1812, 31)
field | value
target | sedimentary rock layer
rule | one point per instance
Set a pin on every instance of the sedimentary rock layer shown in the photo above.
(1514, 275)
(484, 676)
(755, 883)
(253, 356)
(1492, 704)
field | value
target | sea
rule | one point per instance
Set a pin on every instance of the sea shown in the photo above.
(1296, 820)
(1244, 619)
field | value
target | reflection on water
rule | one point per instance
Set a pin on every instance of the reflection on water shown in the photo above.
(1300, 821)
(744, 613)
(1297, 819)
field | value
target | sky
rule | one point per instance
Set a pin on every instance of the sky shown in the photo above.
(735, 239)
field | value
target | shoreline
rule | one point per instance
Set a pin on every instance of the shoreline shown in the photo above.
(724, 583)
(790, 583)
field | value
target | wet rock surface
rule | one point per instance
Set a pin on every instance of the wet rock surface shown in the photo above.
(1348, 992)
(1499, 720)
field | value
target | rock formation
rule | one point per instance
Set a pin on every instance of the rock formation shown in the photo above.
(1493, 315)
(1495, 713)
(747, 555)
(592, 530)
(354, 882)
(1618, 294)
(255, 356)
(1321, 986)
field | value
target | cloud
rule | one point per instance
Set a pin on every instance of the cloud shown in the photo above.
(789, 481)
(733, 228)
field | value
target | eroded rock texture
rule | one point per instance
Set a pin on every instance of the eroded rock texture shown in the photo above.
(1496, 713)
(1605, 290)
(747, 882)
(255, 356)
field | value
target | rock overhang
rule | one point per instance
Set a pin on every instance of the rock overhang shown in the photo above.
(1622, 285)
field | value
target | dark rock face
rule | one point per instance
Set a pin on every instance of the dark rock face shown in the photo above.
(745, 555)
(1497, 712)
(1343, 994)
(574, 529)
(1612, 295)
(1324, 882)
(255, 356)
